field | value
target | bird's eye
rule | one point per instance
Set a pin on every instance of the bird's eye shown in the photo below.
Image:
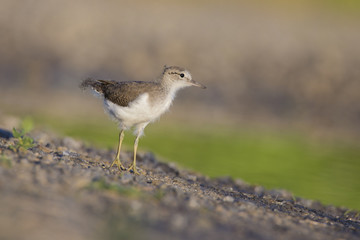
(182, 75)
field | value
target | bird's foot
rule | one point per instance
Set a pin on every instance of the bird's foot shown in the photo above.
(118, 163)
(133, 169)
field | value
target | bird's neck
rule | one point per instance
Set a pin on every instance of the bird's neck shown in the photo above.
(168, 91)
(170, 86)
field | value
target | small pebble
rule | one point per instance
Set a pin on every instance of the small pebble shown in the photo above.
(71, 143)
(259, 190)
(193, 203)
(192, 177)
(229, 199)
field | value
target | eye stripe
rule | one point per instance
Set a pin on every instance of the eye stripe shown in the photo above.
(180, 74)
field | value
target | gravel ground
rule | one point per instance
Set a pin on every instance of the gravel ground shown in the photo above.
(63, 189)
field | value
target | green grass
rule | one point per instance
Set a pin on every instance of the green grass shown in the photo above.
(23, 142)
(325, 171)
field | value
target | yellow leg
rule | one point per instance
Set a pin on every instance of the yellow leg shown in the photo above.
(117, 159)
(133, 165)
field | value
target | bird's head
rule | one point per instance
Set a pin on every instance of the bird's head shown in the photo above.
(179, 77)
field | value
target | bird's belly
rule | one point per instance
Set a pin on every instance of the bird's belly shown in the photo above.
(138, 112)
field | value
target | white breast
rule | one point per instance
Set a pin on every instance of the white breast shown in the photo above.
(139, 111)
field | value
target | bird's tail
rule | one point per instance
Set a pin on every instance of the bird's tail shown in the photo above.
(94, 84)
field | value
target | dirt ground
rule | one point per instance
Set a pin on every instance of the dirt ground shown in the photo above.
(63, 189)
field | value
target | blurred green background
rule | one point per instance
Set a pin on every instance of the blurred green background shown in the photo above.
(282, 104)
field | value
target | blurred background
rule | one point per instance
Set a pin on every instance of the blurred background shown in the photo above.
(282, 107)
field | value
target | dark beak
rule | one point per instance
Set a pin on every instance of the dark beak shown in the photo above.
(196, 84)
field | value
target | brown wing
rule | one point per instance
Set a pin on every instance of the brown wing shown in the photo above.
(123, 93)
(120, 93)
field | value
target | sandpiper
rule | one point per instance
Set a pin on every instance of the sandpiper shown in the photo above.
(134, 104)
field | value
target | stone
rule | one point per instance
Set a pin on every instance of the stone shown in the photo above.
(229, 199)
(5, 134)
